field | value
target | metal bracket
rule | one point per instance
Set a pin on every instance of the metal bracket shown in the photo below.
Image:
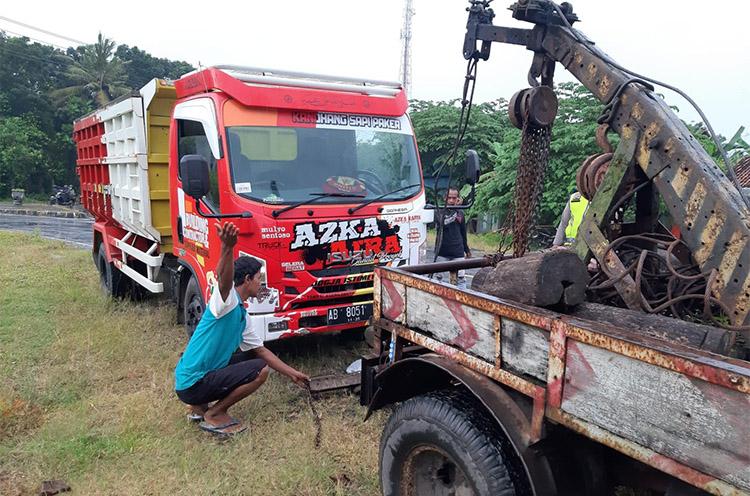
(591, 239)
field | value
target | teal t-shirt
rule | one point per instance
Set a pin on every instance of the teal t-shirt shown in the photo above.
(213, 342)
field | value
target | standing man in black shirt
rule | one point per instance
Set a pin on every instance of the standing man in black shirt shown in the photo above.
(453, 244)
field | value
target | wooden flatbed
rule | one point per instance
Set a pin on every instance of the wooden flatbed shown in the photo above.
(679, 409)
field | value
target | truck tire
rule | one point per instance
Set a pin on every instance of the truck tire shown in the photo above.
(193, 306)
(112, 281)
(442, 443)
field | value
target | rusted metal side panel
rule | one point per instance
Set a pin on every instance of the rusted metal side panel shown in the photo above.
(476, 364)
(533, 316)
(692, 421)
(450, 322)
(698, 479)
(525, 349)
(393, 300)
(716, 369)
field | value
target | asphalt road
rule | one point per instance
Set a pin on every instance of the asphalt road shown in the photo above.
(76, 232)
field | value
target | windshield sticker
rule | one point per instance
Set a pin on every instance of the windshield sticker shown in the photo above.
(354, 242)
(334, 120)
(344, 184)
(244, 187)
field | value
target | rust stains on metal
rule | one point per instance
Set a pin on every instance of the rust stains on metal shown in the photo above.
(592, 71)
(376, 297)
(645, 455)
(530, 315)
(709, 236)
(578, 58)
(537, 414)
(637, 111)
(723, 371)
(556, 367)
(473, 363)
(646, 144)
(498, 347)
(734, 248)
(605, 85)
(694, 204)
(393, 304)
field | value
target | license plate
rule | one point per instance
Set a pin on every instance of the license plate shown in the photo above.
(347, 315)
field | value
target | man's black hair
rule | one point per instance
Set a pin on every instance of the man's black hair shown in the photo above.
(245, 266)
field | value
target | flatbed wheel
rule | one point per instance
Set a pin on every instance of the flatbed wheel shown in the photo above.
(442, 444)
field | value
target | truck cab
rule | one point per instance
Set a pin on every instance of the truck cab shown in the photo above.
(321, 175)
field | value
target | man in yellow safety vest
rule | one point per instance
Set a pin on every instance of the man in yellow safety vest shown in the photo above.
(570, 220)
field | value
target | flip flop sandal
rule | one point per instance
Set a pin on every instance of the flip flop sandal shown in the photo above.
(195, 417)
(220, 430)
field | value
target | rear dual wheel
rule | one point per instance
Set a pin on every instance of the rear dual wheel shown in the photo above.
(113, 282)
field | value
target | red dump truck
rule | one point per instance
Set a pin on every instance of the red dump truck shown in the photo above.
(321, 174)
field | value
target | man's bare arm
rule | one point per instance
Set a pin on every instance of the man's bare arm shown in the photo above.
(278, 365)
(225, 268)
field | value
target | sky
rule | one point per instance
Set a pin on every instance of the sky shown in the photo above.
(702, 49)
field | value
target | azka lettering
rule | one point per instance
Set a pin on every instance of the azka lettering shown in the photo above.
(306, 235)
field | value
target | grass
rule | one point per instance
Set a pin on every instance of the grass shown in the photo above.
(487, 242)
(87, 397)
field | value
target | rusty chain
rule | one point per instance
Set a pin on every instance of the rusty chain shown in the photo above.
(315, 415)
(532, 166)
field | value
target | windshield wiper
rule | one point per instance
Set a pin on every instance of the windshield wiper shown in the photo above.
(364, 204)
(318, 196)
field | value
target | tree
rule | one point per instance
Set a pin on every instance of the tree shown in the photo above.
(736, 147)
(96, 73)
(436, 126)
(22, 155)
(573, 139)
(143, 67)
(28, 72)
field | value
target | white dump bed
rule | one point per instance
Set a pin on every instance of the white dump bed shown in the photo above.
(125, 135)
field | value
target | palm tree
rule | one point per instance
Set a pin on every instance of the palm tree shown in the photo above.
(97, 74)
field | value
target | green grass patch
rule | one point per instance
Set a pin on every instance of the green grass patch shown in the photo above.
(486, 242)
(87, 397)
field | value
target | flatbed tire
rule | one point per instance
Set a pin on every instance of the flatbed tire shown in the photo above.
(450, 424)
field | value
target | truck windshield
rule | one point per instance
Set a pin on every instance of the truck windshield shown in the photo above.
(283, 165)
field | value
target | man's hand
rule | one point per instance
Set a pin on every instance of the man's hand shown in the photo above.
(225, 267)
(299, 378)
(468, 254)
(227, 234)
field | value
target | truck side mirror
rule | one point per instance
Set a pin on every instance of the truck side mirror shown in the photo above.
(472, 167)
(194, 174)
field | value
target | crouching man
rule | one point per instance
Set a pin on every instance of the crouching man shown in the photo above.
(209, 370)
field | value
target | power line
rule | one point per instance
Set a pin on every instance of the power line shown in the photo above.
(62, 37)
(59, 47)
(26, 56)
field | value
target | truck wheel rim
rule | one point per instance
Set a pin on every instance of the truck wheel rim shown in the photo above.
(429, 470)
(194, 311)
